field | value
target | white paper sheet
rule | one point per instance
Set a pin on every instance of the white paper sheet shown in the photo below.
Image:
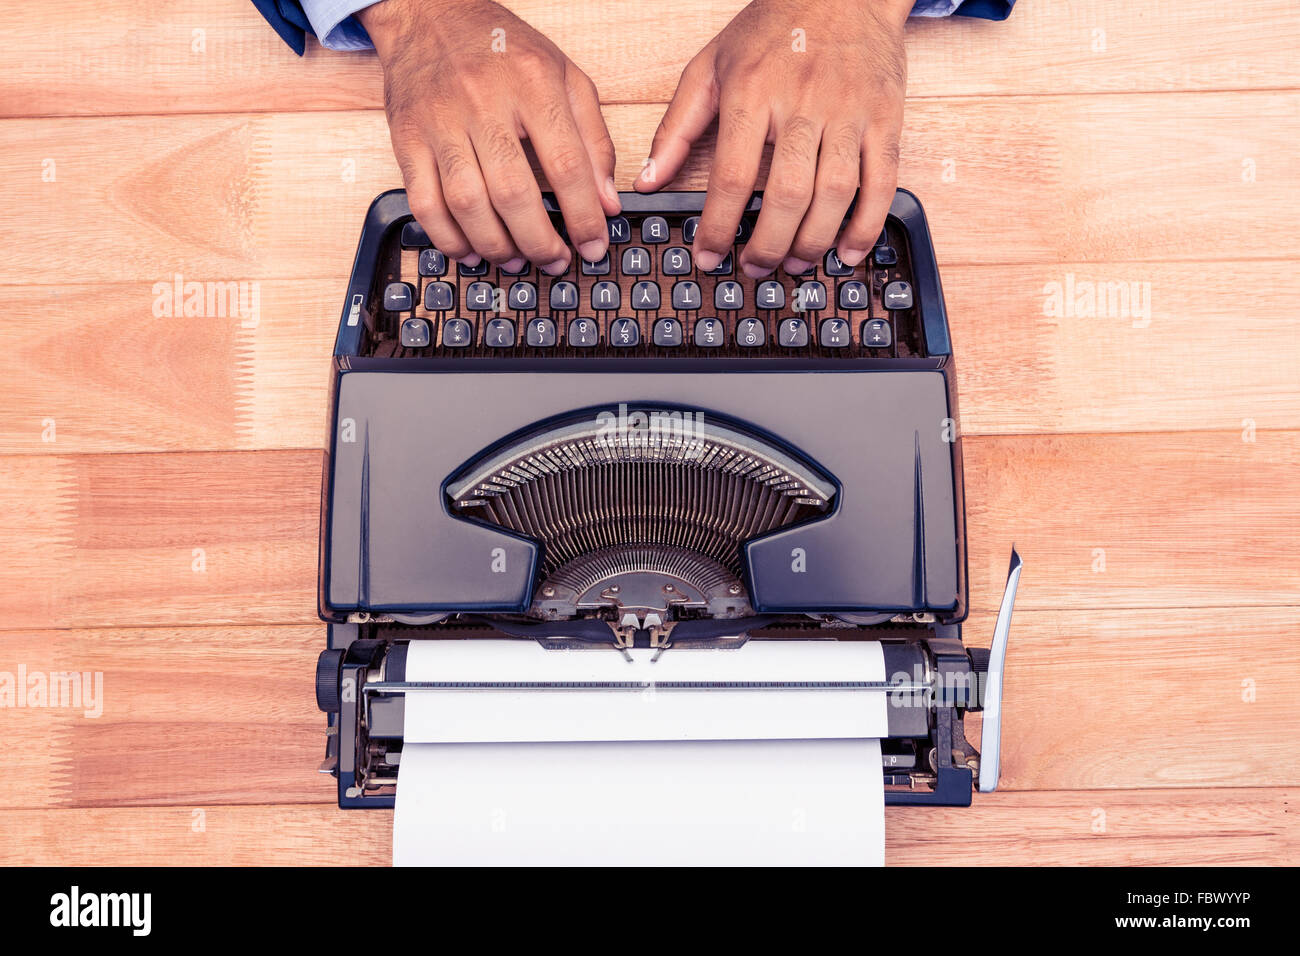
(474, 716)
(594, 778)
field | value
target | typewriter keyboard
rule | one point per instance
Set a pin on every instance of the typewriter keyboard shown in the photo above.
(647, 297)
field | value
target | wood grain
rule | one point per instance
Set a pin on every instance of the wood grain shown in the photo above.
(124, 380)
(1034, 180)
(200, 716)
(1136, 828)
(148, 58)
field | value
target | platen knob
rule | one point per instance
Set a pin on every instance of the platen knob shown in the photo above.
(329, 673)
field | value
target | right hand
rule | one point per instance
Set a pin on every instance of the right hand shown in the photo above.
(465, 81)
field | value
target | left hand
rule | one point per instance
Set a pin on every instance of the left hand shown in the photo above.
(822, 80)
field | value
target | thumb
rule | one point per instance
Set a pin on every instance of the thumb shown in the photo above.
(688, 115)
(585, 103)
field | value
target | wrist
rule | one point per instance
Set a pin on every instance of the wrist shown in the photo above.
(895, 12)
(386, 21)
(381, 21)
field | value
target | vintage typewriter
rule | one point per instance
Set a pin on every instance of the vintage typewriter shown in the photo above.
(641, 454)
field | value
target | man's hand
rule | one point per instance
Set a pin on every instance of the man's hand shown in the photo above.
(822, 80)
(465, 81)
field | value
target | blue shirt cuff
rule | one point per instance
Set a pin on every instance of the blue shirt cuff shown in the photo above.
(335, 25)
(983, 9)
(935, 8)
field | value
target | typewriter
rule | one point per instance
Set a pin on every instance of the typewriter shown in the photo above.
(641, 454)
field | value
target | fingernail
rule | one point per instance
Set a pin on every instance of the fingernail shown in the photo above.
(471, 260)
(611, 191)
(755, 271)
(796, 267)
(851, 257)
(647, 171)
(708, 261)
(513, 265)
(558, 267)
(592, 251)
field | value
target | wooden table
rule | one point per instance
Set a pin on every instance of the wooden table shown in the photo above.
(160, 476)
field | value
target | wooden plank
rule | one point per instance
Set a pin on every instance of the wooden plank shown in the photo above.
(1119, 699)
(1103, 521)
(1005, 180)
(123, 380)
(1164, 828)
(143, 539)
(181, 716)
(1105, 700)
(1133, 521)
(201, 56)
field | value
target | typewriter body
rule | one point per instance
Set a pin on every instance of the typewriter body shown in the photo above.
(641, 454)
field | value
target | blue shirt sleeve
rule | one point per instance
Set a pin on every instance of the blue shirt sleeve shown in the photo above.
(984, 9)
(337, 28)
(335, 25)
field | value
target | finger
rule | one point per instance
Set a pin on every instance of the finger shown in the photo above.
(558, 145)
(688, 115)
(875, 195)
(514, 192)
(424, 196)
(585, 103)
(742, 131)
(839, 167)
(787, 196)
(467, 199)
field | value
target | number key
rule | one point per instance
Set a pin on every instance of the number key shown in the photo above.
(751, 333)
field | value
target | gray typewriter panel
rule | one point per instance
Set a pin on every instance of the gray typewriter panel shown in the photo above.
(889, 545)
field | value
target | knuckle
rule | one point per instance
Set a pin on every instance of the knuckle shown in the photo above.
(462, 196)
(855, 236)
(812, 246)
(845, 144)
(501, 143)
(553, 110)
(730, 178)
(581, 82)
(452, 244)
(531, 64)
(453, 163)
(412, 174)
(495, 248)
(602, 146)
(423, 207)
(543, 249)
(799, 139)
(747, 81)
(512, 189)
(739, 118)
(838, 188)
(891, 152)
(404, 128)
(789, 190)
(567, 163)
(714, 237)
(765, 252)
(583, 228)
